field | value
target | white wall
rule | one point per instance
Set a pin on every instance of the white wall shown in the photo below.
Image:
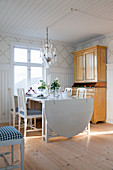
(110, 93)
(5, 82)
(63, 68)
(108, 42)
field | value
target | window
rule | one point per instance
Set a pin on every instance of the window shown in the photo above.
(28, 68)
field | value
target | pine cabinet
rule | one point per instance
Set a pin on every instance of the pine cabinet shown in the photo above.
(90, 64)
(90, 72)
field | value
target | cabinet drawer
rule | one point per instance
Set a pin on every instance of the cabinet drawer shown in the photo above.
(90, 90)
(90, 95)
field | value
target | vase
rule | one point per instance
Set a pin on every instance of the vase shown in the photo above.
(57, 91)
(52, 92)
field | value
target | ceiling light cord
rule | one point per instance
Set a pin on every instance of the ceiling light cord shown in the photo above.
(80, 11)
(90, 14)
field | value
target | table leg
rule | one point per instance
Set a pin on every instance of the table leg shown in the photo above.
(43, 122)
(46, 131)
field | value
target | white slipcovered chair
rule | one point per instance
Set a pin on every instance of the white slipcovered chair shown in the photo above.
(69, 91)
(13, 111)
(27, 113)
(81, 92)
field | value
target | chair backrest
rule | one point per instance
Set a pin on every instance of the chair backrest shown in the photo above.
(69, 91)
(21, 101)
(81, 93)
(68, 117)
(11, 100)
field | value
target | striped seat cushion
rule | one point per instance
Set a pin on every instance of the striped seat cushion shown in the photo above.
(9, 133)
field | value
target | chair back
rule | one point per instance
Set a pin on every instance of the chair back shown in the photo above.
(21, 101)
(11, 100)
(81, 93)
(69, 91)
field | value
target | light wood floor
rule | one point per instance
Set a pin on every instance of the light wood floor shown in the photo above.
(82, 152)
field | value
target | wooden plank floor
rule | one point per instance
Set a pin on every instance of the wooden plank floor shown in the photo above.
(82, 152)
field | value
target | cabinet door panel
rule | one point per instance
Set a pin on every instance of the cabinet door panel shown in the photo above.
(102, 75)
(90, 66)
(99, 113)
(79, 68)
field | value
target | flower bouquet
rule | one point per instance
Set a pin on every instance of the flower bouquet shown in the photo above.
(42, 87)
(55, 87)
(55, 84)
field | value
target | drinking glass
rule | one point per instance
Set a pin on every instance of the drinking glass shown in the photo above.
(57, 91)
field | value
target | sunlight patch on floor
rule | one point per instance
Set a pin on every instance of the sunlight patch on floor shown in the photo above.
(101, 133)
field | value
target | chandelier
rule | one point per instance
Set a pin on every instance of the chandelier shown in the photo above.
(48, 51)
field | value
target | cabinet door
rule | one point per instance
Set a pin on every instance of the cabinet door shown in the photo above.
(99, 113)
(101, 64)
(79, 68)
(90, 67)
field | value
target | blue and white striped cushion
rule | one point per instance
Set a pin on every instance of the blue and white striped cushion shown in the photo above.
(9, 133)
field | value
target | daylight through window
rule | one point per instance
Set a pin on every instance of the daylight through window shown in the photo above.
(28, 68)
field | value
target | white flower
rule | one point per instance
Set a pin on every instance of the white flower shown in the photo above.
(56, 78)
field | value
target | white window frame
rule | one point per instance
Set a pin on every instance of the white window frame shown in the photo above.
(28, 64)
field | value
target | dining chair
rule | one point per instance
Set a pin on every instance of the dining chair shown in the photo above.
(27, 114)
(81, 92)
(69, 91)
(13, 111)
(11, 136)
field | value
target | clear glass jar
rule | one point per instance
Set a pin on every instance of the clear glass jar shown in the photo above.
(57, 91)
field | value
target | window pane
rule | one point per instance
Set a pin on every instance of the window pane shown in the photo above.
(20, 77)
(36, 75)
(20, 55)
(35, 56)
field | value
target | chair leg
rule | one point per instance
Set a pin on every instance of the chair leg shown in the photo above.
(12, 151)
(35, 122)
(25, 127)
(22, 154)
(14, 119)
(9, 118)
(19, 123)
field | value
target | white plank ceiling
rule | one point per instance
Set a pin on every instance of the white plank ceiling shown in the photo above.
(88, 18)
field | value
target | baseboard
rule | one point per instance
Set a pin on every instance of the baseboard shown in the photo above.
(109, 121)
(4, 120)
